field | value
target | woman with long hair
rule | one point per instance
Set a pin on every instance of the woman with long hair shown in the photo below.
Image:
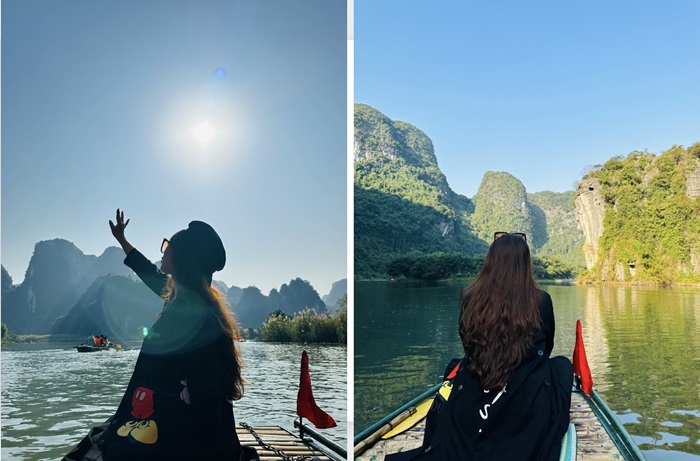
(508, 399)
(178, 404)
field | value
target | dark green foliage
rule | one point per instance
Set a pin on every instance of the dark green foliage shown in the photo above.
(434, 266)
(548, 218)
(306, 326)
(4, 330)
(438, 266)
(651, 224)
(403, 203)
(501, 205)
(387, 227)
(554, 269)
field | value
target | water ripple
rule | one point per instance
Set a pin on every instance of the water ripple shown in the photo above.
(51, 397)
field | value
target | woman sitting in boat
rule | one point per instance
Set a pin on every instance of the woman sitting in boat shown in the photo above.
(508, 400)
(178, 404)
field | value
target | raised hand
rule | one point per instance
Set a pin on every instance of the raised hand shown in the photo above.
(118, 229)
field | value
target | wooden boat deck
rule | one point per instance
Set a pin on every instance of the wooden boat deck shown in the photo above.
(281, 439)
(593, 444)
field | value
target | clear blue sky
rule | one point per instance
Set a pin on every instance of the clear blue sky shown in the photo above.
(99, 103)
(540, 89)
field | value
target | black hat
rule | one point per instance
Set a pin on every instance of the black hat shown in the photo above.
(202, 245)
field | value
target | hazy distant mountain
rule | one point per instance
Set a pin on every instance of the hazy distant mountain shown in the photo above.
(114, 305)
(220, 285)
(338, 289)
(234, 295)
(253, 307)
(56, 277)
(66, 291)
(7, 284)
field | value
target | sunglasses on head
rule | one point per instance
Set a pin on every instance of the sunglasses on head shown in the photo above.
(164, 245)
(497, 235)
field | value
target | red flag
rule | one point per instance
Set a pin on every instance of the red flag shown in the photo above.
(453, 373)
(580, 362)
(306, 405)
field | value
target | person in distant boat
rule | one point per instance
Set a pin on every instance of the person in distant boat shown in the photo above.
(506, 399)
(178, 403)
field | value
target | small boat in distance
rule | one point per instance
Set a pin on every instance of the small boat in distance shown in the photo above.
(86, 348)
(96, 343)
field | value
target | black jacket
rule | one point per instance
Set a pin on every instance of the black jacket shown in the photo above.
(175, 405)
(524, 423)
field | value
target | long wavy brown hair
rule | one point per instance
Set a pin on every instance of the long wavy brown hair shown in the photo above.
(196, 282)
(499, 312)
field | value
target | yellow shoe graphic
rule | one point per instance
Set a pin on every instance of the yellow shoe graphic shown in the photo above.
(142, 431)
(127, 428)
(146, 432)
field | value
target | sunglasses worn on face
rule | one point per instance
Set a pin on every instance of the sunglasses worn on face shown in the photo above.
(164, 245)
(497, 235)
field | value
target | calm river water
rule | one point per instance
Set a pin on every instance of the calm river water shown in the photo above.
(643, 345)
(52, 396)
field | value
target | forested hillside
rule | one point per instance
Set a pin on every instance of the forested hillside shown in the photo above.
(403, 203)
(642, 216)
(404, 208)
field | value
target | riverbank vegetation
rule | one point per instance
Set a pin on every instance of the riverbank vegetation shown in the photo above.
(10, 338)
(306, 326)
(438, 266)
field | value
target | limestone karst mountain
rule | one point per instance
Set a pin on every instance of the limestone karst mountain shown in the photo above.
(405, 206)
(68, 292)
(640, 215)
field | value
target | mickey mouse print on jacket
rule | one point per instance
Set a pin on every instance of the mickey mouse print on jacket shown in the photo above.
(142, 429)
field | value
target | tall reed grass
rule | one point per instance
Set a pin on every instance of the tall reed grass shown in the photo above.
(306, 326)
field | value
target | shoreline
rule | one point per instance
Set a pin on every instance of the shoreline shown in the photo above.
(639, 283)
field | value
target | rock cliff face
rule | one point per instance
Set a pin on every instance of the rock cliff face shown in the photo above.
(692, 186)
(590, 211)
(639, 215)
